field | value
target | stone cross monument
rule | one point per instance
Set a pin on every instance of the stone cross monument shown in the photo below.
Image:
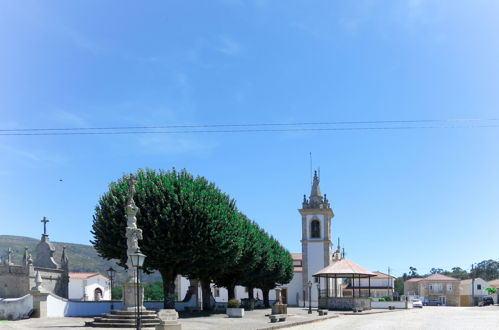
(133, 235)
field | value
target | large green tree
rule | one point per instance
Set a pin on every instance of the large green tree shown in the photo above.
(275, 268)
(240, 273)
(189, 226)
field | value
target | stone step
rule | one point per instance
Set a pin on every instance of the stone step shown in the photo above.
(118, 325)
(142, 312)
(105, 320)
(124, 317)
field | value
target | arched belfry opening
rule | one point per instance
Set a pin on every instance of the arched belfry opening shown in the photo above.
(315, 229)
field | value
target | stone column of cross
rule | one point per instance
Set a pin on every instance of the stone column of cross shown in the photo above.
(44, 220)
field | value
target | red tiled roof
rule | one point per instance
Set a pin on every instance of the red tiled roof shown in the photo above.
(382, 275)
(434, 277)
(346, 268)
(296, 256)
(440, 277)
(84, 275)
(494, 283)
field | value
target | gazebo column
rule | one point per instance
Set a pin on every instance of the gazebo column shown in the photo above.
(369, 280)
(360, 292)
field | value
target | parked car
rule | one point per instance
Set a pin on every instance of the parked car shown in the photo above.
(417, 303)
(431, 302)
(486, 301)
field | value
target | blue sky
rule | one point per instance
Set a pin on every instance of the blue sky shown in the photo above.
(417, 197)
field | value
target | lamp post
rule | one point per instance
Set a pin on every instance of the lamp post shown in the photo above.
(111, 272)
(309, 297)
(318, 293)
(137, 262)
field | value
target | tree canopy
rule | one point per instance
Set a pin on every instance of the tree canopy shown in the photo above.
(189, 228)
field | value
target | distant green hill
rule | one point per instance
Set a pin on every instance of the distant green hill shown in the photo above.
(82, 258)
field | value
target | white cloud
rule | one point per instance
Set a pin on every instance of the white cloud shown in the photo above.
(228, 46)
(67, 118)
(35, 158)
(174, 144)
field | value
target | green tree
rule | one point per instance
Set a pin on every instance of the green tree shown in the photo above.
(189, 226)
(399, 285)
(153, 291)
(275, 268)
(250, 257)
(487, 269)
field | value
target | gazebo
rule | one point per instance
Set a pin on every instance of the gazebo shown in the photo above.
(328, 294)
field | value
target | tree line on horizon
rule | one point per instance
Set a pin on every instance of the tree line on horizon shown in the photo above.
(190, 228)
(486, 269)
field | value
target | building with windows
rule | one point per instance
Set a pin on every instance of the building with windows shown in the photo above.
(89, 287)
(435, 289)
(378, 286)
(472, 289)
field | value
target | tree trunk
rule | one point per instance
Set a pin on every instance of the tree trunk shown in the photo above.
(206, 290)
(231, 291)
(266, 297)
(168, 288)
(250, 293)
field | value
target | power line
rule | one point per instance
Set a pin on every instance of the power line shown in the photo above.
(248, 130)
(255, 125)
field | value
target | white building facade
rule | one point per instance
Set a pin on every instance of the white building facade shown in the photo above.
(316, 215)
(89, 287)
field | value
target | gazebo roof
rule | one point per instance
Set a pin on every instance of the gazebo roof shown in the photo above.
(344, 268)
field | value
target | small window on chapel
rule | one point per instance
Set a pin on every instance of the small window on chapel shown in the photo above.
(315, 229)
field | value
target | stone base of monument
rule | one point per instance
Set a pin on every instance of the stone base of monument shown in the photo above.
(130, 296)
(125, 319)
(279, 309)
(169, 320)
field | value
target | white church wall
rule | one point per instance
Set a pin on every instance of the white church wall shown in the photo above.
(97, 282)
(16, 308)
(56, 306)
(76, 289)
(295, 290)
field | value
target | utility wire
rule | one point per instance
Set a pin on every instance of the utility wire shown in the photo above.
(247, 130)
(255, 125)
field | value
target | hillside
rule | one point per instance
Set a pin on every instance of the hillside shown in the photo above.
(82, 258)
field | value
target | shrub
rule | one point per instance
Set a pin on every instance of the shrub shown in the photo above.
(233, 303)
(387, 298)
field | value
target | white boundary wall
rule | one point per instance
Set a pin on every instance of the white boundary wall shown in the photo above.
(386, 304)
(16, 308)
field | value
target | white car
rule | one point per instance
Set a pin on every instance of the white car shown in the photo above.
(417, 303)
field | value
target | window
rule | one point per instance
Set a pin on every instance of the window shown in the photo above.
(479, 287)
(449, 287)
(217, 292)
(315, 229)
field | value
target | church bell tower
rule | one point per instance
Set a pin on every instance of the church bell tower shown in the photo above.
(316, 215)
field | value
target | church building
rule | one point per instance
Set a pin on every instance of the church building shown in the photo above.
(316, 216)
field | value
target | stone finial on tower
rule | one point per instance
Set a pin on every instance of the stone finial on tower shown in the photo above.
(45, 250)
(38, 283)
(315, 194)
(64, 258)
(9, 257)
(316, 200)
(25, 256)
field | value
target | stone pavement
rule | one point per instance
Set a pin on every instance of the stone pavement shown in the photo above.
(429, 317)
(252, 320)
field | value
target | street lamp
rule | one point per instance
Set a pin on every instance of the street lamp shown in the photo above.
(309, 297)
(318, 293)
(137, 262)
(111, 272)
